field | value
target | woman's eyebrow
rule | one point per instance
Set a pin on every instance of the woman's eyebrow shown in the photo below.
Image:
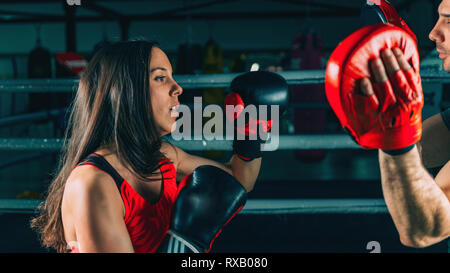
(157, 68)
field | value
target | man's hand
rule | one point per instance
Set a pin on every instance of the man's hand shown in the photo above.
(388, 116)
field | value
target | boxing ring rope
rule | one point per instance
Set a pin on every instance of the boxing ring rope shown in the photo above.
(253, 206)
(37, 116)
(21, 159)
(192, 81)
(256, 206)
(286, 142)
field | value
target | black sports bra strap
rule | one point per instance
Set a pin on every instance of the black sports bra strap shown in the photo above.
(101, 163)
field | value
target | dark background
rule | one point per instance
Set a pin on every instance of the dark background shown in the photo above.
(245, 32)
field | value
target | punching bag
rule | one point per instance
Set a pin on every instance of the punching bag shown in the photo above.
(39, 67)
(68, 65)
(189, 61)
(212, 64)
(307, 55)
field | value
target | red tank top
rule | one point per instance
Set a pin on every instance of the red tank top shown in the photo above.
(147, 223)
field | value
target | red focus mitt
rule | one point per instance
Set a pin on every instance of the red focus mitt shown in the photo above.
(390, 119)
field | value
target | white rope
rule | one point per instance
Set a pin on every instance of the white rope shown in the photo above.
(285, 142)
(314, 206)
(193, 81)
(258, 206)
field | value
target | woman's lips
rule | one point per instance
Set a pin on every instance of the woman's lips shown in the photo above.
(173, 111)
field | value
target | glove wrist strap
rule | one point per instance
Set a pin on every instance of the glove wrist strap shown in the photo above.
(399, 151)
(247, 150)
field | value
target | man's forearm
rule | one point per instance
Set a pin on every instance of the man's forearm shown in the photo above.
(419, 208)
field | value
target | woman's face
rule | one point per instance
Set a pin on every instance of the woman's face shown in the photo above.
(164, 91)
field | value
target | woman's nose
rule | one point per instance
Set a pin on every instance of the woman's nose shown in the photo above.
(176, 89)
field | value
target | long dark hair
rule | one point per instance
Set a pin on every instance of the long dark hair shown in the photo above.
(112, 107)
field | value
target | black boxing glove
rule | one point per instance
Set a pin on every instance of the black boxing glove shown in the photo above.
(254, 88)
(202, 208)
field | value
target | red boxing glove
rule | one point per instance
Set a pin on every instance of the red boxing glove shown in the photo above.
(256, 88)
(250, 127)
(390, 119)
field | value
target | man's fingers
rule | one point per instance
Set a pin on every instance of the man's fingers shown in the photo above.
(378, 71)
(366, 88)
(404, 65)
(390, 62)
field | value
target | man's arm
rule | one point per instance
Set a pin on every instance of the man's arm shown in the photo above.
(419, 207)
(434, 146)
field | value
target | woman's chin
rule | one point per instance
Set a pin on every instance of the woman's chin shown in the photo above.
(167, 130)
(163, 133)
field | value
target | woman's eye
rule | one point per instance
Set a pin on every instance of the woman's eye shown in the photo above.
(159, 78)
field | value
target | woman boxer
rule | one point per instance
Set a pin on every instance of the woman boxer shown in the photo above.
(117, 180)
